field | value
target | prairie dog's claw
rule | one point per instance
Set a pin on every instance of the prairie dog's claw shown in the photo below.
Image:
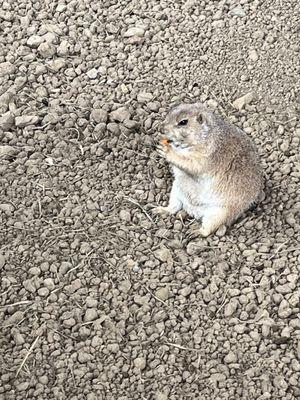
(161, 150)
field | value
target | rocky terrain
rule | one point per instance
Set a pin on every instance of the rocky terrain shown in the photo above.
(101, 299)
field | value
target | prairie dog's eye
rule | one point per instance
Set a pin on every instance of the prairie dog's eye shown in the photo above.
(183, 122)
(200, 119)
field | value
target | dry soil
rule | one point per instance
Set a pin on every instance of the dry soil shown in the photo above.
(100, 299)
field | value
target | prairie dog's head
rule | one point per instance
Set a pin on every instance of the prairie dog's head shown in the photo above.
(188, 125)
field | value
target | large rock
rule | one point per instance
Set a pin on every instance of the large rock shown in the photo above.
(138, 31)
(120, 114)
(6, 120)
(34, 41)
(25, 120)
(7, 151)
(240, 103)
(99, 115)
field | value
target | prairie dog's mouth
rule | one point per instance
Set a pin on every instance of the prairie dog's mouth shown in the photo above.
(178, 145)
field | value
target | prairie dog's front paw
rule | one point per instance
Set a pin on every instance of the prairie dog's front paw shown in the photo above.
(162, 150)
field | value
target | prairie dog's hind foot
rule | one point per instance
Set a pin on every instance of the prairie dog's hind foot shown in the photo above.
(213, 218)
(163, 210)
(160, 210)
(204, 231)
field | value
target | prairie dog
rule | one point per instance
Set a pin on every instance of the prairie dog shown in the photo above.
(217, 175)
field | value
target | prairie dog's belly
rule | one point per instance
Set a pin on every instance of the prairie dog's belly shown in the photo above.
(196, 194)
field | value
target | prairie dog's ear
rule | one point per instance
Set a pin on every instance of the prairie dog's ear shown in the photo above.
(199, 106)
(200, 118)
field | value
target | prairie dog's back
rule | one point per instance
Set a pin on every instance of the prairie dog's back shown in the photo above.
(235, 164)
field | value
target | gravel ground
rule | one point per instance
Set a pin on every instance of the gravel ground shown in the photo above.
(99, 298)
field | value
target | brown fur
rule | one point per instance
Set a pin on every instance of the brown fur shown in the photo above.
(219, 150)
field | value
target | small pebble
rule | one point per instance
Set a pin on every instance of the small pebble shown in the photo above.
(69, 323)
(90, 315)
(47, 50)
(44, 292)
(162, 293)
(230, 358)
(140, 363)
(92, 73)
(2, 260)
(6, 68)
